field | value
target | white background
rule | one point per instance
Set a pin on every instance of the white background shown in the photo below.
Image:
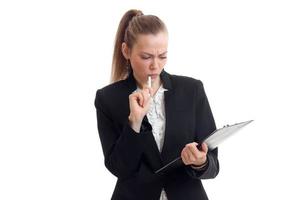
(54, 55)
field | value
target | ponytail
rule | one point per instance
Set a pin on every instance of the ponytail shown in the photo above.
(119, 63)
(133, 22)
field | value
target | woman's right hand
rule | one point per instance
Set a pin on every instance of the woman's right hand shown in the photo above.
(139, 103)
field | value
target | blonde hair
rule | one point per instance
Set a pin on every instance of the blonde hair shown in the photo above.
(133, 23)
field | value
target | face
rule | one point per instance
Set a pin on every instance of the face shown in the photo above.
(148, 57)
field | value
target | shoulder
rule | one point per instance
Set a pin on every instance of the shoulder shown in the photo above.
(185, 80)
(113, 91)
(185, 83)
(187, 86)
(112, 88)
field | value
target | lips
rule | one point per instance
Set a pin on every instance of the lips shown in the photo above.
(153, 76)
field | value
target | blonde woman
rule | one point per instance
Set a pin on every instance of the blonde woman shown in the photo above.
(147, 117)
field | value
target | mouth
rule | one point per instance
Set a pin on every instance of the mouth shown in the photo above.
(153, 76)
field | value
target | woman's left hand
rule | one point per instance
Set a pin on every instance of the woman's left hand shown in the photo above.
(191, 155)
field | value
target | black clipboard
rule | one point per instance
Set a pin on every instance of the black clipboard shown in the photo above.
(212, 141)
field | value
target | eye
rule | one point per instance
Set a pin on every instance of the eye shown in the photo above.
(145, 57)
(163, 57)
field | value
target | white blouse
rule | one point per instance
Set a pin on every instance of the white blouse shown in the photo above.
(156, 117)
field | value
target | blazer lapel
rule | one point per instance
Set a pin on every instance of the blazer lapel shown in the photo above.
(168, 153)
(151, 152)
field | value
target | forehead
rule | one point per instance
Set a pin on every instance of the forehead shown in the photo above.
(151, 43)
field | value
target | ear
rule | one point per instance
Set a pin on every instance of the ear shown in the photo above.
(125, 51)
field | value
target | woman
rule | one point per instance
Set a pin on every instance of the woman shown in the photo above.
(147, 117)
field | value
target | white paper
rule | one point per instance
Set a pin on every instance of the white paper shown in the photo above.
(222, 134)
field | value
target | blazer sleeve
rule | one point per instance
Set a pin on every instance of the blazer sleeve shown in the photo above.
(122, 147)
(205, 124)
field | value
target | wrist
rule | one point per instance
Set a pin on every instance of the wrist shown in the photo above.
(200, 166)
(134, 124)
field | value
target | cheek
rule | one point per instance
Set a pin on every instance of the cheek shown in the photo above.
(139, 66)
(163, 63)
(140, 63)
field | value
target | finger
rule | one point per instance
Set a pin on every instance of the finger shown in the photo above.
(185, 157)
(147, 91)
(193, 154)
(189, 156)
(200, 158)
(204, 147)
(140, 99)
(136, 98)
(133, 98)
(146, 96)
(195, 151)
(150, 91)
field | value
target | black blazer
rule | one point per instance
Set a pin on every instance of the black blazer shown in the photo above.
(133, 157)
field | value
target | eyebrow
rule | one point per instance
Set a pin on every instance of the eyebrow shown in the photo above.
(153, 55)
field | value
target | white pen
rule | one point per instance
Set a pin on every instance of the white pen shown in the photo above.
(149, 81)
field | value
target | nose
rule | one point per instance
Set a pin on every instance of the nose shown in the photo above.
(155, 64)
